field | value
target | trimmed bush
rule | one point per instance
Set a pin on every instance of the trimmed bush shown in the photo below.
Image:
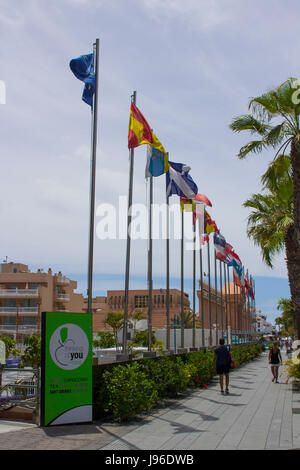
(129, 391)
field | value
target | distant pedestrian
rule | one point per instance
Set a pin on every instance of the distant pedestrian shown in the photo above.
(274, 360)
(222, 361)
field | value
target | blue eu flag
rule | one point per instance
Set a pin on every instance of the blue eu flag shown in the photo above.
(83, 69)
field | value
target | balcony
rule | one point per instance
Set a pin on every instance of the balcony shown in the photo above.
(62, 280)
(18, 311)
(12, 293)
(63, 297)
(21, 328)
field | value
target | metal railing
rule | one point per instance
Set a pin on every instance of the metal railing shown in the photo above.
(62, 280)
(63, 296)
(22, 392)
(19, 292)
(19, 310)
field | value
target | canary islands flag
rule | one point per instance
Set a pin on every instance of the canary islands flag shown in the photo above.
(156, 164)
(83, 69)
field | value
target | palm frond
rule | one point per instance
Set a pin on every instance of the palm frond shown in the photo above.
(276, 134)
(248, 122)
(254, 146)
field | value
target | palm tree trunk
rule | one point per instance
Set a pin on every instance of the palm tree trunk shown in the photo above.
(293, 239)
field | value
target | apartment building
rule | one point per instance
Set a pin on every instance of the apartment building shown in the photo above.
(138, 301)
(228, 307)
(25, 294)
(262, 326)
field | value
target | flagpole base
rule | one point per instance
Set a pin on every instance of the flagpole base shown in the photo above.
(122, 357)
(149, 354)
(182, 350)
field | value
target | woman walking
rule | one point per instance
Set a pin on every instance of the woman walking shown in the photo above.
(222, 361)
(274, 360)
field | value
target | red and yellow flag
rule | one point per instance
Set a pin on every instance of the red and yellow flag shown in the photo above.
(187, 205)
(140, 133)
(209, 224)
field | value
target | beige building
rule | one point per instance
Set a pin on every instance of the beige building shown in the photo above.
(138, 302)
(25, 294)
(228, 307)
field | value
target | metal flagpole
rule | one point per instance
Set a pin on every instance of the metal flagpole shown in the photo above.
(209, 295)
(201, 286)
(254, 304)
(216, 298)
(226, 306)
(127, 268)
(150, 269)
(182, 270)
(93, 176)
(249, 314)
(194, 284)
(168, 273)
(229, 298)
(221, 288)
(235, 312)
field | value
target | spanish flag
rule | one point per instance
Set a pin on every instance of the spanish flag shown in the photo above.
(140, 133)
(209, 224)
(187, 205)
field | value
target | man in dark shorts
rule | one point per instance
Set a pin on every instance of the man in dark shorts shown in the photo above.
(222, 361)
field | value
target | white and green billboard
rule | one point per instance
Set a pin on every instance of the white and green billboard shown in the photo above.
(66, 379)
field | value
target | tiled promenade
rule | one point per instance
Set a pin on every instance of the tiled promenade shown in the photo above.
(257, 414)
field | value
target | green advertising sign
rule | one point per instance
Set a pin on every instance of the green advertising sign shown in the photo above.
(66, 386)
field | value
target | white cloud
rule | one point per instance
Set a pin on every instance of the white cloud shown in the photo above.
(199, 14)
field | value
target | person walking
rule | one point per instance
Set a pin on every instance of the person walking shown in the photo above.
(222, 360)
(274, 360)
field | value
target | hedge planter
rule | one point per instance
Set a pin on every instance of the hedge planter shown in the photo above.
(123, 391)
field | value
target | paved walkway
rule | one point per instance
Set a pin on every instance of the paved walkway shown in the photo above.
(257, 414)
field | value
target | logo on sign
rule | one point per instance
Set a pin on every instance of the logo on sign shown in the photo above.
(69, 346)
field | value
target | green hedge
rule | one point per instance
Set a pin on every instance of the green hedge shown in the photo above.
(125, 390)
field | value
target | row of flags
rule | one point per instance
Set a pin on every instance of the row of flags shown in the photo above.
(178, 180)
(180, 183)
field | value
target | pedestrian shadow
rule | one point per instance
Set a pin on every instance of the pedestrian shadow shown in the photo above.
(226, 402)
(202, 415)
(181, 428)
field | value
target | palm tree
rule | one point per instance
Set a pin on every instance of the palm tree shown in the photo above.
(272, 212)
(115, 320)
(274, 118)
(286, 319)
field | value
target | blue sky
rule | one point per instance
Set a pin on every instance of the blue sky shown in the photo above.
(194, 64)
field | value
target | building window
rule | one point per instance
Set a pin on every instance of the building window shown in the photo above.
(141, 301)
(162, 299)
(9, 303)
(158, 299)
(10, 320)
(29, 321)
(29, 303)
